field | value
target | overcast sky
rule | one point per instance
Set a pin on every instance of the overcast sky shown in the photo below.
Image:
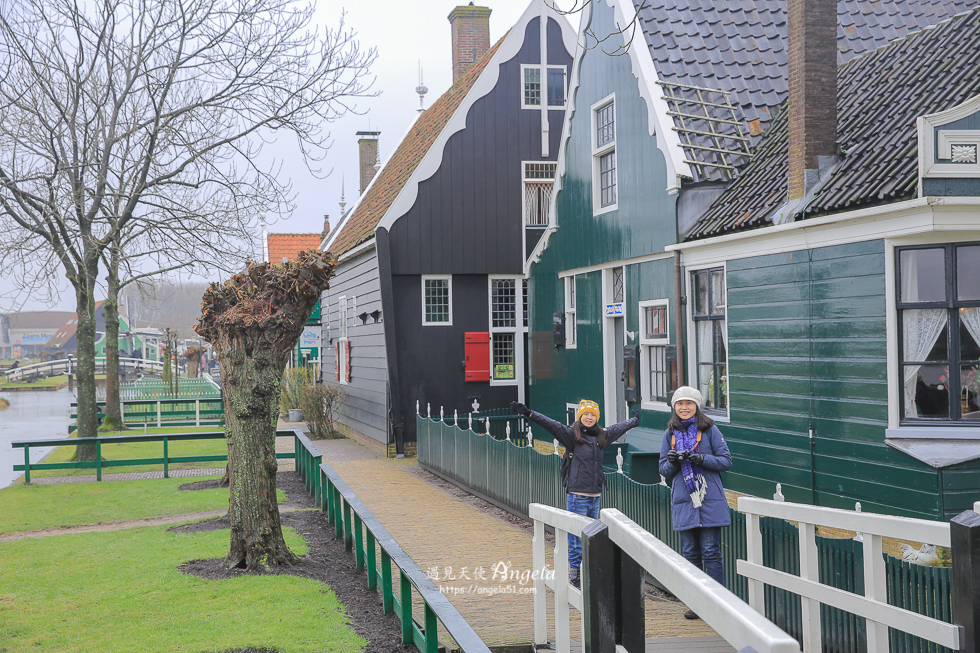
(406, 36)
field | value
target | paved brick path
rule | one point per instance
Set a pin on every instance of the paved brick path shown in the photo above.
(451, 537)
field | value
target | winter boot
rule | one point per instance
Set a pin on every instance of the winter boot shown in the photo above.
(573, 578)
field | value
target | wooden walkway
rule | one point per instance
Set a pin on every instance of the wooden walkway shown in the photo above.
(461, 543)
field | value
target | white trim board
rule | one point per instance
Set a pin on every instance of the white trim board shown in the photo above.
(484, 84)
(909, 218)
(616, 264)
(354, 251)
(659, 123)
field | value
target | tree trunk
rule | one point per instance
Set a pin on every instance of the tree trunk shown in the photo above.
(253, 321)
(85, 354)
(110, 309)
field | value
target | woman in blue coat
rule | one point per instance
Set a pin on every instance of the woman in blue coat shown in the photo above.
(692, 457)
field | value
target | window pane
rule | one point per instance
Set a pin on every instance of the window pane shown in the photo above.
(721, 389)
(556, 87)
(970, 382)
(968, 272)
(504, 300)
(721, 347)
(655, 322)
(605, 125)
(705, 335)
(924, 335)
(524, 292)
(658, 373)
(437, 300)
(923, 275)
(503, 356)
(706, 384)
(701, 293)
(571, 293)
(617, 284)
(969, 342)
(718, 292)
(607, 179)
(926, 391)
(532, 86)
(570, 331)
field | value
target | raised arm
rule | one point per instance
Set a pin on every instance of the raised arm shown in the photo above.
(558, 430)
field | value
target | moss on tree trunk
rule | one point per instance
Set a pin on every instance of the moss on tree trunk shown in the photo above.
(253, 321)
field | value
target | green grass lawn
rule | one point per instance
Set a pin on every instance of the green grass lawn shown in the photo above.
(29, 507)
(43, 383)
(122, 592)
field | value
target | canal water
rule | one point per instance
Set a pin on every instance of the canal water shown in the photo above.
(31, 416)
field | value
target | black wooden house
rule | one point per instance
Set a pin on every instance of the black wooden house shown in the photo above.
(428, 306)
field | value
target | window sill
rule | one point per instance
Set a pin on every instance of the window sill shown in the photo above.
(936, 446)
(934, 432)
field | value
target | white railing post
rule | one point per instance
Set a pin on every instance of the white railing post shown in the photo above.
(442, 415)
(159, 415)
(619, 459)
(562, 621)
(471, 422)
(753, 554)
(418, 409)
(556, 447)
(810, 570)
(455, 417)
(197, 412)
(428, 409)
(539, 567)
(530, 437)
(875, 589)
(507, 431)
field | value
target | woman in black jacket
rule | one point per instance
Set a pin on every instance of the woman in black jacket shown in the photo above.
(584, 441)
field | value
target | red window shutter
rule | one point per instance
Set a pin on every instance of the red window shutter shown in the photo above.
(477, 350)
(336, 360)
(347, 360)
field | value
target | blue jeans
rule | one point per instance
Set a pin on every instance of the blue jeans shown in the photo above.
(588, 506)
(703, 545)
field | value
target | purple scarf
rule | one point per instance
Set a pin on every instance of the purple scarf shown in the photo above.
(693, 478)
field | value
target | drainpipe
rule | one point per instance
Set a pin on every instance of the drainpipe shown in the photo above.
(679, 317)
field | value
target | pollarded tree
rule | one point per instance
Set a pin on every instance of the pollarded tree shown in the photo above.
(253, 321)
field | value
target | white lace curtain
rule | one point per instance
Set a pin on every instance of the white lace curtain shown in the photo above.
(970, 317)
(920, 331)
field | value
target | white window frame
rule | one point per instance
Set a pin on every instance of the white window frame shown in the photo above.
(692, 358)
(646, 344)
(571, 309)
(434, 277)
(342, 362)
(525, 180)
(574, 409)
(544, 87)
(518, 330)
(600, 151)
(940, 431)
(342, 317)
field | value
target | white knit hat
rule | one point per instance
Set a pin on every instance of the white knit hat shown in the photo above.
(686, 392)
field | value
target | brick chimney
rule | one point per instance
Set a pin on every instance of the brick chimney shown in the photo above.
(368, 146)
(812, 91)
(471, 37)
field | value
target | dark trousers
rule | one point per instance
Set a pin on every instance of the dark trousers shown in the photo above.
(702, 548)
(588, 506)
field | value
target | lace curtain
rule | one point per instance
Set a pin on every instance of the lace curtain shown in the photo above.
(970, 317)
(920, 331)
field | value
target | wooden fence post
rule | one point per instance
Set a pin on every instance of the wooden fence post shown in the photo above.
(964, 533)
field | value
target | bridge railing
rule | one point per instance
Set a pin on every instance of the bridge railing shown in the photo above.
(67, 366)
(873, 604)
(398, 574)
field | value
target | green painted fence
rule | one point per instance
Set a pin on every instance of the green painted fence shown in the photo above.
(514, 476)
(98, 465)
(196, 411)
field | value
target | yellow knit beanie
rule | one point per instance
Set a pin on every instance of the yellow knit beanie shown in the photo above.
(586, 406)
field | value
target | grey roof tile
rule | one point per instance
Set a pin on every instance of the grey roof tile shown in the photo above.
(741, 44)
(880, 95)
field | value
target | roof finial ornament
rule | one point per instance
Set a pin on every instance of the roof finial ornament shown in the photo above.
(343, 203)
(421, 89)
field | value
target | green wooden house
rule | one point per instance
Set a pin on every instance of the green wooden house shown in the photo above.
(673, 255)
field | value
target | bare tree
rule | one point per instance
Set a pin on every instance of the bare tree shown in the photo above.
(253, 322)
(153, 111)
